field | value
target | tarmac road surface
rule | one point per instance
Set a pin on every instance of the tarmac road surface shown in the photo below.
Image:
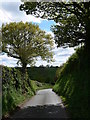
(45, 104)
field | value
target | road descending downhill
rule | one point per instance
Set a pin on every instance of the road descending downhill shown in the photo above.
(45, 104)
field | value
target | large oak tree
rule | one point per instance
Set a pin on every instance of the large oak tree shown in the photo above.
(26, 41)
(73, 20)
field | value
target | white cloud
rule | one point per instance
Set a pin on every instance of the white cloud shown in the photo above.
(10, 13)
(5, 16)
(10, 0)
(60, 57)
(41, 62)
(28, 18)
(8, 61)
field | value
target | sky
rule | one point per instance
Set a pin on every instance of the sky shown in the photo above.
(9, 12)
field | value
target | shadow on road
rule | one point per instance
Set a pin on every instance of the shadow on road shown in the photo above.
(46, 111)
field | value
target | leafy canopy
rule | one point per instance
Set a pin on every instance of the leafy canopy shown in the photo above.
(26, 41)
(72, 18)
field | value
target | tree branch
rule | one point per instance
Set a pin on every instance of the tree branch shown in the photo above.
(14, 56)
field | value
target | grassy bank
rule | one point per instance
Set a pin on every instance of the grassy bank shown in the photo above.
(38, 85)
(72, 84)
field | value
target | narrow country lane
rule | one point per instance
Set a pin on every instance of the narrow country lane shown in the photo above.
(45, 104)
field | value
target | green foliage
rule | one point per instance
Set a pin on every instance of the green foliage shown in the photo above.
(12, 87)
(26, 41)
(38, 85)
(58, 71)
(13, 91)
(42, 74)
(69, 32)
(73, 20)
(73, 84)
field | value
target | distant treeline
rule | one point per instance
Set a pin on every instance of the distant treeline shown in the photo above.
(42, 74)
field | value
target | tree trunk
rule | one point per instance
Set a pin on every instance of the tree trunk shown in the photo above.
(24, 65)
(24, 76)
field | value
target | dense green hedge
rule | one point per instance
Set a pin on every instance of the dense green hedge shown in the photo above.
(72, 84)
(12, 87)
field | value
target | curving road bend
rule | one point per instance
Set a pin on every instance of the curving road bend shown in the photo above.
(45, 104)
